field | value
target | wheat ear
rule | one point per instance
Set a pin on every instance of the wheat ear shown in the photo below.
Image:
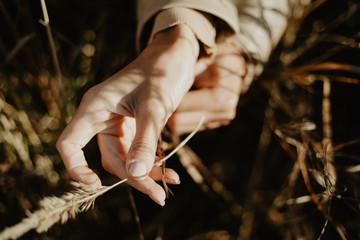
(60, 209)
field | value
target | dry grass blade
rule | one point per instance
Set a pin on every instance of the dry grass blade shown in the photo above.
(56, 85)
(160, 152)
(315, 37)
(136, 214)
(325, 66)
(304, 171)
(311, 7)
(346, 144)
(202, 175)
(46, 23)
(58, 209)
(159, 163)
(18, 47)
(308, 79)
(323, 229)
(352, 10)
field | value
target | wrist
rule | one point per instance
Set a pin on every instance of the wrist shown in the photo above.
(180, 36)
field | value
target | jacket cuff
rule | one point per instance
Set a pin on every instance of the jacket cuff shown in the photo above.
(200, 24)
(224, 11)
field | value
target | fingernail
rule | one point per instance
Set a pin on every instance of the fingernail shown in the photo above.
(160, 201)
(173, 180)
(176, 180)
(138, 169)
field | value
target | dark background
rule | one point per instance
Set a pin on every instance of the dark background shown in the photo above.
(252, 172)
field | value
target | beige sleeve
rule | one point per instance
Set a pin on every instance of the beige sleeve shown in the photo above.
(262, 24)
(257, 25)
(201, 25)
(148, 9)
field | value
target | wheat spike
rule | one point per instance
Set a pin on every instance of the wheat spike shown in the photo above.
(60, 209)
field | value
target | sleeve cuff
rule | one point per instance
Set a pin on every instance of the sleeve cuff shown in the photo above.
(201, 25)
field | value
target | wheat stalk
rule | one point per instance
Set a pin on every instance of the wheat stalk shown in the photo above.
(46, 23)
(60, 209)
(182, 143)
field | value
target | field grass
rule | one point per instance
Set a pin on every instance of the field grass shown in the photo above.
(286, 168)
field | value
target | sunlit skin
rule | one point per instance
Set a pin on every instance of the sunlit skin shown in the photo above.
(128, 111)
(215, 94)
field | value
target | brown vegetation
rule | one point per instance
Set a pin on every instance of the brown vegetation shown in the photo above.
(286, 168)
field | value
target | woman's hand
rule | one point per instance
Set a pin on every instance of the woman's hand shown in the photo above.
(128, 111)
(216, 92)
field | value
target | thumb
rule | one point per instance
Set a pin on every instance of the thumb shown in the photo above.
(141, 156)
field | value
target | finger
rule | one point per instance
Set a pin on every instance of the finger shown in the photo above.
(151, 188)
(228, 69)
(114, 143)
(209, 100)
(70, 143)
(151, 117)
(170, 175)
(113, 153)
(85, 175)
(186, 122)
(114, 162)
(214, 77)
(123, 132)
(202, 64)
(86, 122)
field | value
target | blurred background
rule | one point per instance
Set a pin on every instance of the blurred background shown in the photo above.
(286, 168)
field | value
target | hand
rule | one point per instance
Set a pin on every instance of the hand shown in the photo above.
(128, 112)
(215, 94)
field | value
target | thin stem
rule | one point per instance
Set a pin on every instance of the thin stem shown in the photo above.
(104, 190)
(136, 214)
(158, 164)
(46, 22)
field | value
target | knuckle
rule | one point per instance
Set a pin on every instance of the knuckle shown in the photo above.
(230, 115)
(159, 108)
(60, 145)
(225, 100)
(227, 104)
(66, 148)
(107, 166)
(219, 99)
(90, 94)
(174, 125)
